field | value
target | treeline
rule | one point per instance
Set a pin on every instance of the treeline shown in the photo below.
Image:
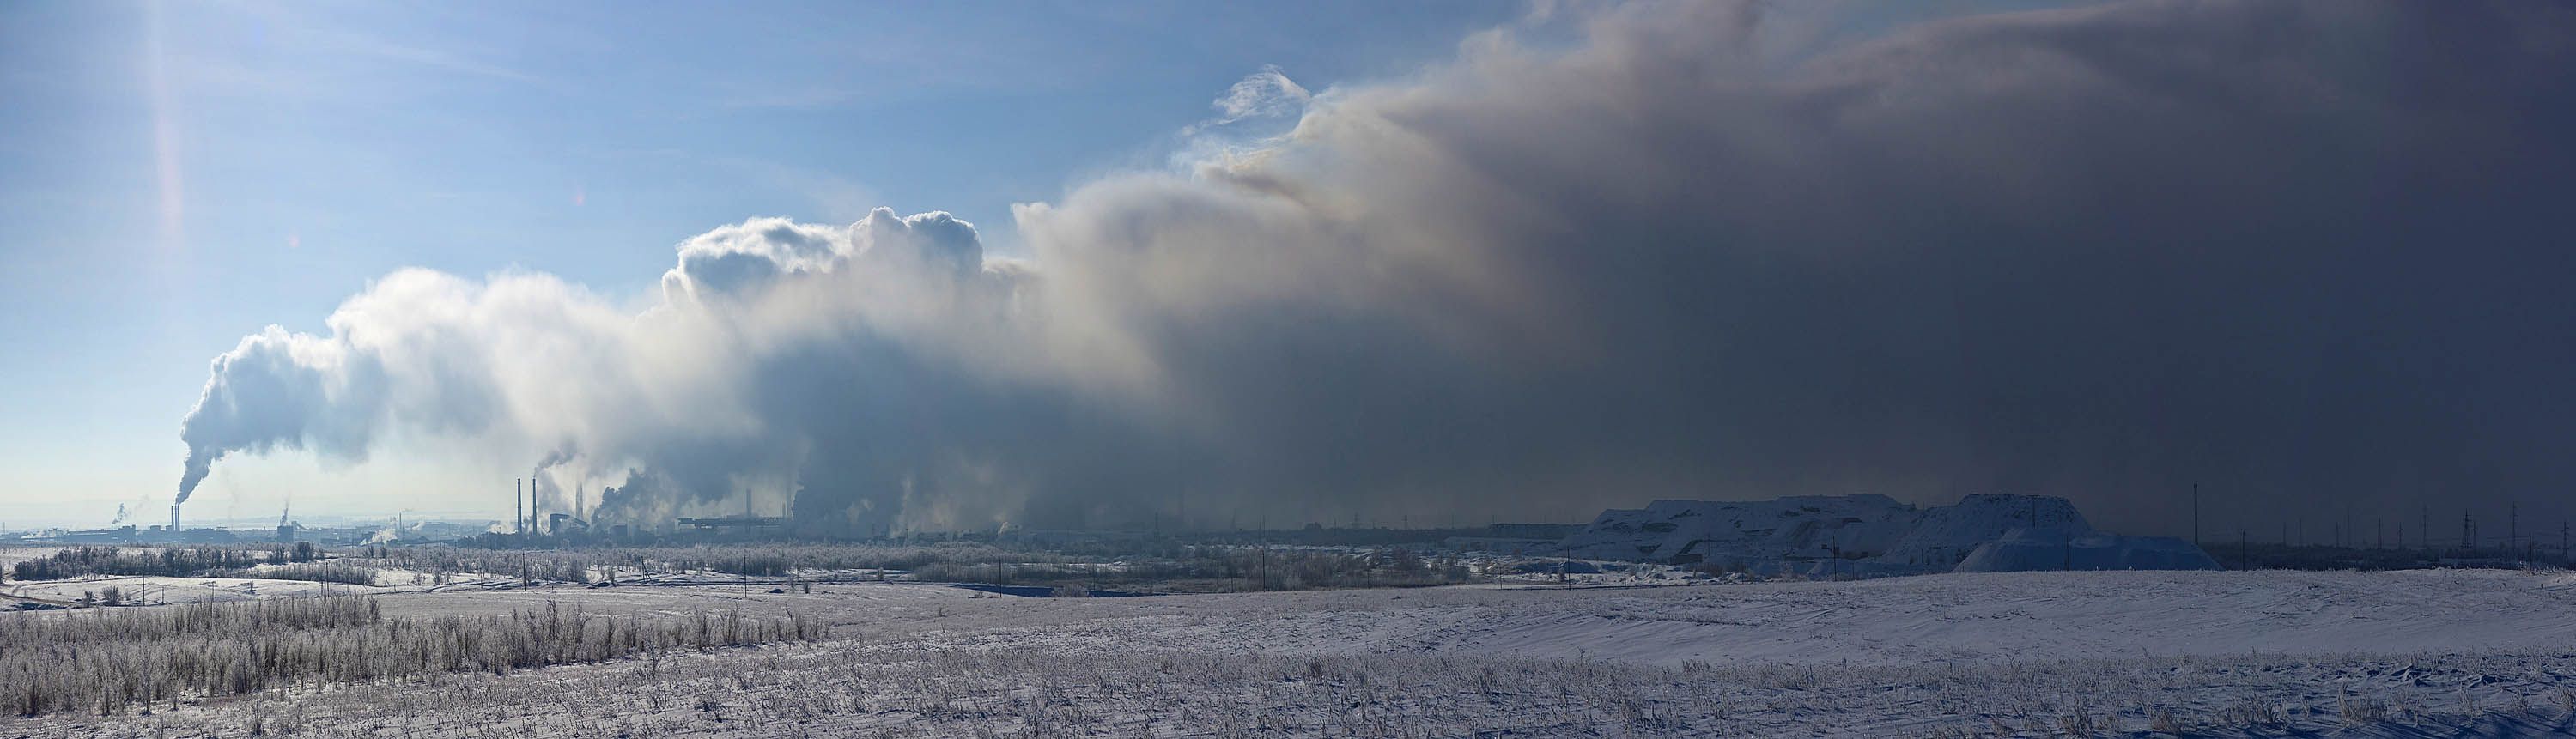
(111, 660)
(171, 562)
(1221, 569)
(2276, 556)
(312, 572)
(750, 560)
(1155, 565)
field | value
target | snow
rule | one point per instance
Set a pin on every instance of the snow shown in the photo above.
(2265, 653)
(1945, 534)
(2221, 652)
(1998, 617)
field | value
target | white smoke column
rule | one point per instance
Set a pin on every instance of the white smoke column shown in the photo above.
(525, 356)
(277, 389)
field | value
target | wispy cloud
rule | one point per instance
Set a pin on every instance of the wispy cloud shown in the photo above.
(426, 57)
(332, 37)
(1266, 94)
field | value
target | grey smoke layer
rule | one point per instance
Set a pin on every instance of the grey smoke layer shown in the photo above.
(2308, 254)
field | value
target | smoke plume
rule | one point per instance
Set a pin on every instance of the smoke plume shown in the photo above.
(2302, 251)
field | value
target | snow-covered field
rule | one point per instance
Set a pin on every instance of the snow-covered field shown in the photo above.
(2427, 653)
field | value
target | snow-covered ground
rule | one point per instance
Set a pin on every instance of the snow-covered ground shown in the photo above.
(2427, 653)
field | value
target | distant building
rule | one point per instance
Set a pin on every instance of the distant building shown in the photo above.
(758, 524)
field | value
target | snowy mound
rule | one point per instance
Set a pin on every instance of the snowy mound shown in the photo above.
(1941, 536)
(1872, 535)
(2026, 550)
(1697, 531)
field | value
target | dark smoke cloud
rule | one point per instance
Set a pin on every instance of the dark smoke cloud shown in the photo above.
(2305, 253)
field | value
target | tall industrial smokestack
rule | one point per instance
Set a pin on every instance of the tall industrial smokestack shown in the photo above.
(174, 518)
(519, 515)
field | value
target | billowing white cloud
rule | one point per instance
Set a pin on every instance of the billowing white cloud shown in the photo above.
(2100, 252)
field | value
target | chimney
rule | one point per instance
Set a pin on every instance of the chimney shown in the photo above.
(519, 516)
(174, 518)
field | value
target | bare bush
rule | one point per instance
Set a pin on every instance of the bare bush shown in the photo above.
(2251, 714)
(2359, 711)
(2162, 720)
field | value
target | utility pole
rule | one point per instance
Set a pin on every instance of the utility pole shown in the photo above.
(2195, 514)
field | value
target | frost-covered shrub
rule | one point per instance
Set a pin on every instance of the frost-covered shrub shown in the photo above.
(109, 659)
(332, 572)
(171, 562)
